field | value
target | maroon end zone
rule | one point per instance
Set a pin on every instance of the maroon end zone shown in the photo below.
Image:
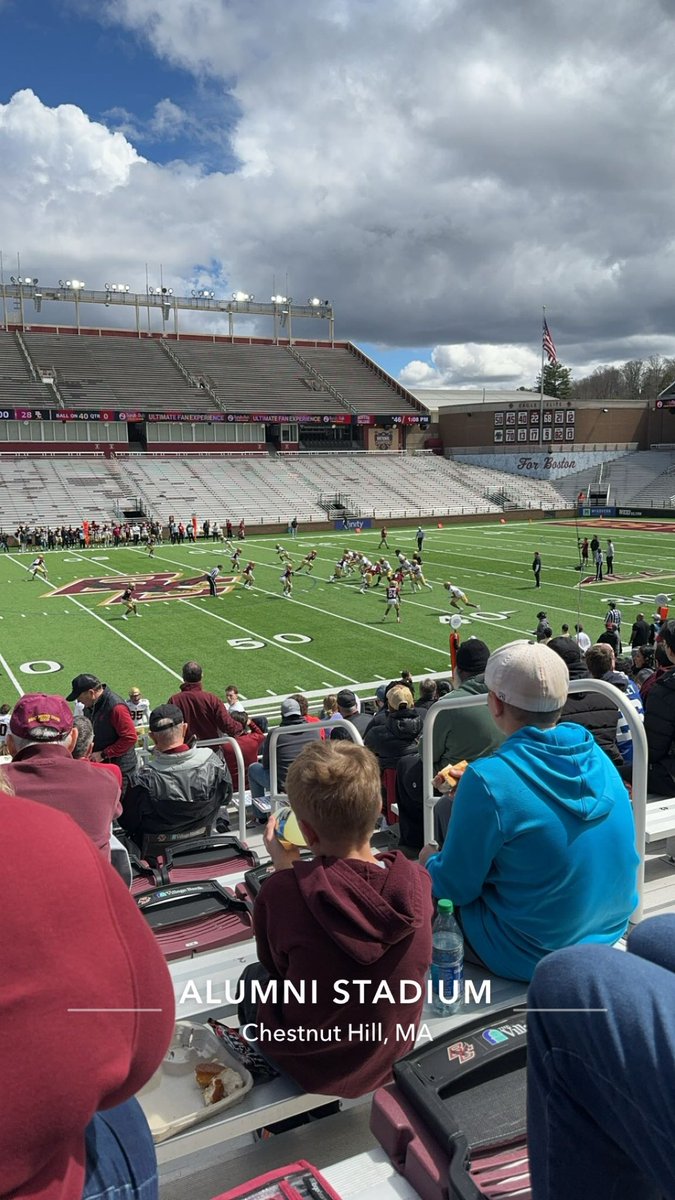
(621, 523)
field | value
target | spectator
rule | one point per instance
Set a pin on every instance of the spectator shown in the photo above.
(544, 632)
(458, 734)
(114, 731)
(588, 709)
(205, 714)
(232, 697)
(329, 707)
(249, 741)
(661, 664)
(40, 739)
(565, 631)
(304, 708)
(601, 663)
(181, 789)
(75, 956)
(427, 696)
(348, 709)
(540, 851)
(84, 748)
(367, 921)
(399, 732)
(639, 634)
(600, 1061)
(643, 663)
(380, 713)
(660, 721)
(287, 750)
(443, 688)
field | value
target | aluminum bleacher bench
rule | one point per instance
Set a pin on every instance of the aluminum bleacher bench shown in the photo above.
(660, 824)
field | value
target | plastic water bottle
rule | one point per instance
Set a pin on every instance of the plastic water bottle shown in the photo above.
(447, 961)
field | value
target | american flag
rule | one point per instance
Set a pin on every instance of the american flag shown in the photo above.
(549, 344)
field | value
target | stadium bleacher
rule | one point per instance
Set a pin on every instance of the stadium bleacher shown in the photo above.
(115, 372)
(264, 489)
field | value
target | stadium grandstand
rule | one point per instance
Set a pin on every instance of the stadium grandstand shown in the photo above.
(283, 421)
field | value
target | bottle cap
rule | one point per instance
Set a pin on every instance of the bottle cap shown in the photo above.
(446, 906)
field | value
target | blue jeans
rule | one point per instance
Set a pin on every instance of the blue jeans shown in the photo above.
(259, 779)
(601, 1086)
(121, 1163)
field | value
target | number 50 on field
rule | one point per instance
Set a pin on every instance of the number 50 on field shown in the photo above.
(284, 639)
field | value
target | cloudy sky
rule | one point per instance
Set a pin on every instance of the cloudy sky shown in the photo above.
(438, 169)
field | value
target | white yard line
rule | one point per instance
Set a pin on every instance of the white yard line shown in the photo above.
(268, 641)
(107, 625)
(11, 675)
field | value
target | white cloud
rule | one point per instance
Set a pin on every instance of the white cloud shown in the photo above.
(473, 365)
(439, 170)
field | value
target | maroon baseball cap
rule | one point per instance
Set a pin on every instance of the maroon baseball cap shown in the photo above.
(38, 711)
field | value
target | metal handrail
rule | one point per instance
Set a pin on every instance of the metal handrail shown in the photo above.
(302, 727)
(241, 770)
(640, 758)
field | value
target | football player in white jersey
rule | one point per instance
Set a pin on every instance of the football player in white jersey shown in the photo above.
(37, 567)
(457, 594)
(139, 708)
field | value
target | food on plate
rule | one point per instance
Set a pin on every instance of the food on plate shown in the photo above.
(205, 1072)
(222, 1085)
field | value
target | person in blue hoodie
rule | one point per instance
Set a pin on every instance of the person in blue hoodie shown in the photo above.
(540, 851)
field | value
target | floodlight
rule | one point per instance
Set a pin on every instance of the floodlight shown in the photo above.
(242, 297)
(314, 301)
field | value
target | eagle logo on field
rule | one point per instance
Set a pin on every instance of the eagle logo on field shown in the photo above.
(158, 585)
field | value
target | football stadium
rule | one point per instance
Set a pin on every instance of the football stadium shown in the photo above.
(281, 517)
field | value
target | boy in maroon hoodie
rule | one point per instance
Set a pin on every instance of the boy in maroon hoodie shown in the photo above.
(339, 926)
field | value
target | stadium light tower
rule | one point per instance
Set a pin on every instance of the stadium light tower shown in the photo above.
(26, 281)
(243, 297)
(75, 286)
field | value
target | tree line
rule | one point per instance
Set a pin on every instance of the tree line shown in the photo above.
(637, 379)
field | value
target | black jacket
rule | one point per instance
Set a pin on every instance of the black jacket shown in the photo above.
(360, 721)
(660, 722)
(610, 638)
(104, 732)
(176, 793)
(599, 716)
(397, 735)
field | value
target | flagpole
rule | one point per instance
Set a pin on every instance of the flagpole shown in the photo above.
(541, 378)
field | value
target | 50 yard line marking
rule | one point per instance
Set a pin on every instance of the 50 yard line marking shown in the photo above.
(242, 628)
(105, 623)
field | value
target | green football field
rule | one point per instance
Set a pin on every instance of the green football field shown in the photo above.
(327, 635)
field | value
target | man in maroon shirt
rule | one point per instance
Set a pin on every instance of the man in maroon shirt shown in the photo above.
(40, 739)
(205, 714)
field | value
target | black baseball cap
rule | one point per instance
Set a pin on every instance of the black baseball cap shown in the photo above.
(165, 716)
(82, 683)
(346, 699)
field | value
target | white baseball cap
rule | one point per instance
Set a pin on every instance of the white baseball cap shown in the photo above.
(528, 675)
